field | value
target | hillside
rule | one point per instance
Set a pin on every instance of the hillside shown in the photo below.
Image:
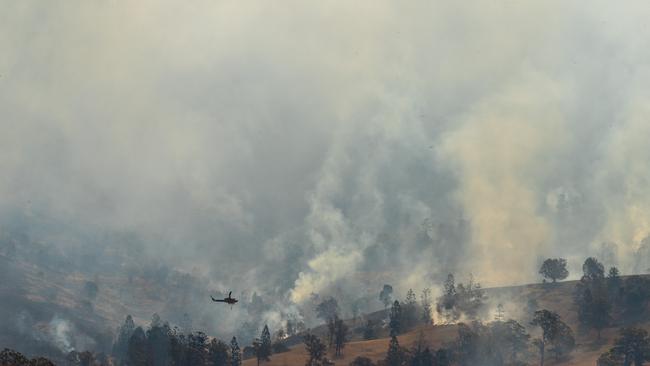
(555, 297)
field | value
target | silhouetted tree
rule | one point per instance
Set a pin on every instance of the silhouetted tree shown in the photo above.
(554, 333)
(362, 361)
(40, 361)
(511, 336)
(409, 311)
(609, 359)
(217, 353)
(257, 350)
(158, 342)
(420, 354)
(178, 347)
(396, 355)
(369, 330)
(266, 346)
(155, 321)
(442, 357)
(340, 336)
(395, 323)
(331, 329)
(470, 298)
(633, 346)
(327, 309)
(554, 269)
(446, 305)
(72, 358)
(235, 353)
(9, 357)
(592, 301)
(197, 348)
(593, 270)
(614, 285)
(635, 297)
(425, 300)
(467, 345)
(124, 333)
(86, 358)
(137, 350)
(279, 347)
(315, 349)
(386, 295)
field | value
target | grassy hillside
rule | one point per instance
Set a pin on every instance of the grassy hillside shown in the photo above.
(555, 297)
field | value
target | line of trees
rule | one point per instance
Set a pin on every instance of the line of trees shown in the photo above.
(9, 357)
(165, 346)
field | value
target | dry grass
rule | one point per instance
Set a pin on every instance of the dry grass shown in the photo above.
(555, 297)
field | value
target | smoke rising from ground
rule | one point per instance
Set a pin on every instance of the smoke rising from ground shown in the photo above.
(304, 148)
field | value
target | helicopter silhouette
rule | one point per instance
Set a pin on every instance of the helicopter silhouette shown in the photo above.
(228, 300)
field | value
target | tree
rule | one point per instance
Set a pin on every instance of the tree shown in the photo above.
(123, 335)
(410, 309)
(331, 329)
(362, 361)
(554, 269)
(369, 330)
(470, 298)
(10, 357)
(155, 321)
(266, 340)
(217, 353)
(158, 342)
(315, 349)
(39, 361)
(608, 359)
(395, 355)
(425, 300)
(263, 346)
(86, 358)
(554, 332)
(386, 295)
(563, 343)
(633, 346)
(420, 353)
(235, 353)
(500, 313)
(327, 309)
(340, 336)
(178, 347)
(614, 287)
(137, 349)
(593, 270)
(510, 335)
(467, 345)
(442, 357)
(197, 348)
(446, 305)
(257, 351)
(636, 296)
(592, 300)
(395, 323)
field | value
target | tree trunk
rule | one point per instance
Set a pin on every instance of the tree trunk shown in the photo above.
(541, 354)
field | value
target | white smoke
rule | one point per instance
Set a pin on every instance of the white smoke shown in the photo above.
(61, 334)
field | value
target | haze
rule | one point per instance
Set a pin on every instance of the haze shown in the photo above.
(300, 147)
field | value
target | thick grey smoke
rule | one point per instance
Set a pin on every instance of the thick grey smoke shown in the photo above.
(298, 148)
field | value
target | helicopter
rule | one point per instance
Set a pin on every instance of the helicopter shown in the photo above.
(228, 300)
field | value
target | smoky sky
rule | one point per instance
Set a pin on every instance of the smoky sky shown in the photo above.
(295, 147)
